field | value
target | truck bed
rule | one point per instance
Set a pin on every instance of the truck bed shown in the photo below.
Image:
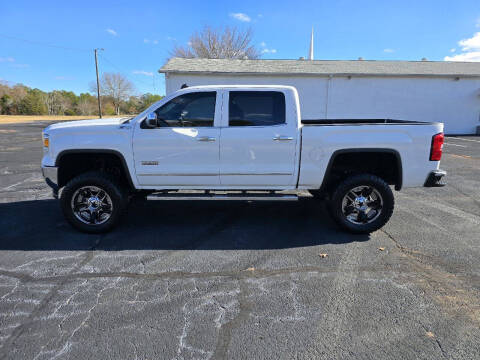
(361, 122)
(323, 140)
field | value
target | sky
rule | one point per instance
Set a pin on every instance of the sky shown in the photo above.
(49, 44)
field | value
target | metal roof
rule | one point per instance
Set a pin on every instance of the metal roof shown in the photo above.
(322, 67)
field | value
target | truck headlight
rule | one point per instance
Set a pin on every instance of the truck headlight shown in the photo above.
(46, 141)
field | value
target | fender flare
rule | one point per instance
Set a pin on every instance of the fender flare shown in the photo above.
(398, 185)
(118, 154)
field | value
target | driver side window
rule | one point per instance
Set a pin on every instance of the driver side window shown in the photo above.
(189, 110)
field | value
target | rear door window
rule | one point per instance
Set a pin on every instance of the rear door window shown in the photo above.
(256, 108)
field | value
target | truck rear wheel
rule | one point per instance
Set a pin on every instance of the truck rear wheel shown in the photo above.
(93, 202)
(362, 203)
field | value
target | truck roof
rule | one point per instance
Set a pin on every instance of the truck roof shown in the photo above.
(286, 87)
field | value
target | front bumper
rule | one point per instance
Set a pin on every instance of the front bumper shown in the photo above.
(434, 179)
(50, 173)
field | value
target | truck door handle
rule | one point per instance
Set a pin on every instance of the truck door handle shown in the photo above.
(206, 138)
(282, 138)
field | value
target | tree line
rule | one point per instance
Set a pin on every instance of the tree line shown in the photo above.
(117, 95)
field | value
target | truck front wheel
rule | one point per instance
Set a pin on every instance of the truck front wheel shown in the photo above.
(362, 203)
(93, 202)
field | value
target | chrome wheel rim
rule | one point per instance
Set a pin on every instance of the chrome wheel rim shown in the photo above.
(362, 205)
(92, 205)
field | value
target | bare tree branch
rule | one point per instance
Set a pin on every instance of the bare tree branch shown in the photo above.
(227, 43)
(116, 87)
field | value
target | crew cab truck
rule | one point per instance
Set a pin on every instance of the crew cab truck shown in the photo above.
(237, 143)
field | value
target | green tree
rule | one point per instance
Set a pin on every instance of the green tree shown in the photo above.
(131, 105)
(56, 103)
(86, 104)
(6, 103)
(146, 100)
(108, 107)
(70, 97)
(33, 103)
(16, 93)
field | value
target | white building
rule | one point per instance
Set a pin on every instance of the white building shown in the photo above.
(448, 92)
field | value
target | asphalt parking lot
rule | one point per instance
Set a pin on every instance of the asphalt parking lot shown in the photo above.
(222, 280)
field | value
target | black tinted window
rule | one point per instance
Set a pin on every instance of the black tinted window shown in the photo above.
(189, 110)
(256, 108)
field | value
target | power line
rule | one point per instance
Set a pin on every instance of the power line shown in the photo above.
(119, 69)
(44, 44)
(34, 42)
(123, 71)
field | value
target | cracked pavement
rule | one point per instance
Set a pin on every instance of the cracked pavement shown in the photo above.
(229, 280)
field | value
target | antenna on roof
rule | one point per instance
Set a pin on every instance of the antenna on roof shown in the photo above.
(183, 86)
(310, 54)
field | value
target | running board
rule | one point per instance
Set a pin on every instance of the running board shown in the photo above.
(213, 196)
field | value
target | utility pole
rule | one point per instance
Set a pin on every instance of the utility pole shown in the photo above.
(98, 85)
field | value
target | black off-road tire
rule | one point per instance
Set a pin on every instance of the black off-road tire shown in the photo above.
(118, 196)
(335, 203)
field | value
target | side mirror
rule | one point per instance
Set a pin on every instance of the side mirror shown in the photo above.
(151, 120)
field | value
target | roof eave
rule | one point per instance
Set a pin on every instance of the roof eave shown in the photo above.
(166, 71)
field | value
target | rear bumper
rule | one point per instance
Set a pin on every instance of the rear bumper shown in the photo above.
(50, 173)
(434, 179)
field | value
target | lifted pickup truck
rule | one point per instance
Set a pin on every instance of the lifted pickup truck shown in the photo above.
(237, 143)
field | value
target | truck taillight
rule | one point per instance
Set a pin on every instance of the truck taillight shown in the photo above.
(437, 146)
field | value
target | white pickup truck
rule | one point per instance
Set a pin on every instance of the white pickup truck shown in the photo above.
(237, 143)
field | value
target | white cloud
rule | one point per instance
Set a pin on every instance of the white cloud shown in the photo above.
(111, 32)
(388, 50)
(240, 17)
(269, 51)
(470, 50)
(12, 62)
(469, 56)
(472, 43)
(171, 38)
(452, 50)
(148, 41)
(142, 72)
(265, 50)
